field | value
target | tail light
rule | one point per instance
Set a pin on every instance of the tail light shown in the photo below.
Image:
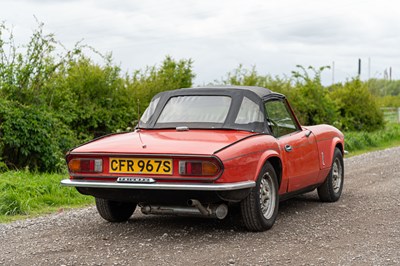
(198, 168)
(85, 165)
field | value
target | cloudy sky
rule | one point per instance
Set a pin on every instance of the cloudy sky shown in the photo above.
(218, 35)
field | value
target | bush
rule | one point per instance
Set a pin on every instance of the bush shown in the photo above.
(32, 137)
(357, 108)
(310, 100)
(91, 99)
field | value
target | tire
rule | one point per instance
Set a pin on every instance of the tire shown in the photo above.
(260, 208)
(331, 189)
(235, 217)
(115, 211)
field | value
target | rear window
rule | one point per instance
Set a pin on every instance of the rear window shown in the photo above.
(195, 109)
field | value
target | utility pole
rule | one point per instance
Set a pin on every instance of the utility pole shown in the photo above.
(369, 68)
(390, 73)
(359, 67)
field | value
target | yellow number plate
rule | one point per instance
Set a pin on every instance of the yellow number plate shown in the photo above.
(141, 166)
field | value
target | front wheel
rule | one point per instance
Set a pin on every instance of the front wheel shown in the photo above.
(331, 189)
(115, 211)
(260, 208)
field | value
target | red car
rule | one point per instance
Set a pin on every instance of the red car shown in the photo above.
(209, 152)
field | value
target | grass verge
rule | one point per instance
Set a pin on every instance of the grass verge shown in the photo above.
(24, 194)
(362, 142)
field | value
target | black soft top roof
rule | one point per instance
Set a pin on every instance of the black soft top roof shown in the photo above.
(261, 92)
(237, 93)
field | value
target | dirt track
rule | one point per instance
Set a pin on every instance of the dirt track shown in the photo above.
(363, 228)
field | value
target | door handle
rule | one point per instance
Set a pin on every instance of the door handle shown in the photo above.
(288, 148)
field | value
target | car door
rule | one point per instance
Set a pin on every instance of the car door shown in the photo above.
(299, 149)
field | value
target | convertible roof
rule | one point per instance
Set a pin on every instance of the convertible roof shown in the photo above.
(237, 93)
(261, 92)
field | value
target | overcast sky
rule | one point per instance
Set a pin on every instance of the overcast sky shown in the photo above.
(274, 36)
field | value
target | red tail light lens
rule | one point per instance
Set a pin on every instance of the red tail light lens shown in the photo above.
(85, 165)
(198, 168)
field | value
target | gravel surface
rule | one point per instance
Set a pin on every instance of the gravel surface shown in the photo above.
(362, 228)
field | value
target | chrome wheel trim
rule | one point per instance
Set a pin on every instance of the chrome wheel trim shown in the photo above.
(267, 196)
(337, 175)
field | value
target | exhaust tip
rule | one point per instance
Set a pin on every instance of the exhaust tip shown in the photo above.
(218, 211)
(146, 209)
(221, 211)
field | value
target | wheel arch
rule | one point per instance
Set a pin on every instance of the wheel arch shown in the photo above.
(271, 156)
(277, 165)
(339, 145)
(335, 143)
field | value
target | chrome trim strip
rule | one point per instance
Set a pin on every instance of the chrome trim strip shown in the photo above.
(160, 186)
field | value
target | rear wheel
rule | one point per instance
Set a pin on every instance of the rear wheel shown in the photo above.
(331, 189)
(115, 211)
(260, 208)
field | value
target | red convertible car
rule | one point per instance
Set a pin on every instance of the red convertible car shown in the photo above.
(210, 152)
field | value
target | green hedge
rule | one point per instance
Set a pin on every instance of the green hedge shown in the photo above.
(32, 137)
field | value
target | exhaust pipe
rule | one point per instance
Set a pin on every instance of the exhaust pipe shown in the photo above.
(195, 209)
(199, 206)
(217, 211)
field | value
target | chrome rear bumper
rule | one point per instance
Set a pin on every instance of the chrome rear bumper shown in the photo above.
(160, 186)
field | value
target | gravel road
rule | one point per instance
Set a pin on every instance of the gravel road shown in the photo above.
(362, 228)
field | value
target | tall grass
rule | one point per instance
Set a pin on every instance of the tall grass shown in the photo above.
(359, 142)
(25, 194)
